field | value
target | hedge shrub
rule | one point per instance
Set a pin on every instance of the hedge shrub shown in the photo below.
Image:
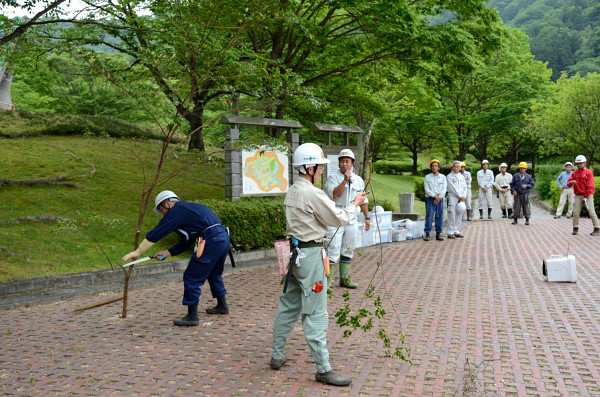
(545, 178)
(419, 188)
(254, 223)
(386, 167)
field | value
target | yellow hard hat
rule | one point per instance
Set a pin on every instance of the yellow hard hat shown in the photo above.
(523, 164)
(434, 161)
(463, 164)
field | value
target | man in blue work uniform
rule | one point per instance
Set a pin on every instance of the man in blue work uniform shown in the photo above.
(191, 221)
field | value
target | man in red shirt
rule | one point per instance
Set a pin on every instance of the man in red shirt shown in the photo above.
(582, 181)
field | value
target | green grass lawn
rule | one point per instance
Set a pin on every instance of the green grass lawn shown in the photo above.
(387, 187)
(103, 206)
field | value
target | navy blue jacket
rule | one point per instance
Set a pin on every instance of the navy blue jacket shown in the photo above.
(515, 184)
(188, 220)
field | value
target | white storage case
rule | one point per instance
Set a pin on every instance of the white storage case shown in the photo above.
(560, 268)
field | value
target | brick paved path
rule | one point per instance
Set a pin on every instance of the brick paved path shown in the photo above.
(477, 316)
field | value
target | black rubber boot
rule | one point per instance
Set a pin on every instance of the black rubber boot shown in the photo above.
(191, 319)
(515, 221)
(221, 307)
(596, 232)
(480, 214)
(509, 212)
(469, 215)
(426, 237)
(527, 221)
(438, 236)
(489, 213)
(575, 231)
(503, 212)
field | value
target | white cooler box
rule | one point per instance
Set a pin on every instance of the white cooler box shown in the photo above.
(559, 268)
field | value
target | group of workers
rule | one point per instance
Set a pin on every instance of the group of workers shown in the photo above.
(323, 227)
(577, 188)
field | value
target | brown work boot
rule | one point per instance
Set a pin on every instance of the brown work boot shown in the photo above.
(596, 232)
(333, 378)
(575, 231)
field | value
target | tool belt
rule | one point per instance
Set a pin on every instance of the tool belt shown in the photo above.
(504, 187)
(309, 244)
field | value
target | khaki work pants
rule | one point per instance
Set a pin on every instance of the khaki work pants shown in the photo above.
(590, 207)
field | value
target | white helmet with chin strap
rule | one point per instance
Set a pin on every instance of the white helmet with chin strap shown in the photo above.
(162, 196)
(580, 159)
(308, 155)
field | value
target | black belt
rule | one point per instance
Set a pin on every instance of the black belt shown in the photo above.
(309, 244)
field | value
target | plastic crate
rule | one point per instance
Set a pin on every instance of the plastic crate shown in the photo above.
(386, 234)
(399, 234)
(383, 219)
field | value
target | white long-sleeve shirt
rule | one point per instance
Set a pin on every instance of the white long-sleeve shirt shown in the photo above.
(485, 178)
(435, 185)
(457, 186)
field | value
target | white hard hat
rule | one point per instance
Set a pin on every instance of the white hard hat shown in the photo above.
(461, 207)
(502, 165)
(346, 153)
(485, 162)
(162, 196)
(580, 159)
(309, 155)
(568, 163)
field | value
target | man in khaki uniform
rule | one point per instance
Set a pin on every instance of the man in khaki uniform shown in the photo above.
(502, 183)
(309, 211)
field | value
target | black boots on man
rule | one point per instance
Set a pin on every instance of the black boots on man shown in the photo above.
(596, 232)
(469, 215)
(191, 319)
(503, 212)
(575, 231)
(438, 236)
(509, 212)
(489, 213)
(480, 214)
(221, 307)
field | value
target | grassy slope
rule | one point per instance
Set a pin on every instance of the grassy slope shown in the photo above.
(104, 205)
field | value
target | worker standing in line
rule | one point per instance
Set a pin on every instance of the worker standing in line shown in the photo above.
(468, 179)
(505, 196)
(582, 181)
(342, 187)
(485, 180)
(566, 192)
(520, 186)
(457, 195)
(194, 223)
(308, 213)
(435, 185)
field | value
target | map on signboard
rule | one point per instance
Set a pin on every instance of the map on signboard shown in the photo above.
(264, 172)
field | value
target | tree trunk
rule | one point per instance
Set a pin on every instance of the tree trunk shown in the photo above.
(196, 126)
(5, 83)
(415, 166)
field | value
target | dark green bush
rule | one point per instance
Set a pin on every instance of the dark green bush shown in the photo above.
(386, 204)
(419, 188)
(254, 223)
(386, 167)
(545, 178)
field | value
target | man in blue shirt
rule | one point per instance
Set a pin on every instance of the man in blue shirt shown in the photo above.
(194, 223)
(567, 193)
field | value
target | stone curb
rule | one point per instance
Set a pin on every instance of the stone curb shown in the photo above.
(109, 275)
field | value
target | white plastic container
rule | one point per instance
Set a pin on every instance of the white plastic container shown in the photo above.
(399, 234)
(560, 268)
